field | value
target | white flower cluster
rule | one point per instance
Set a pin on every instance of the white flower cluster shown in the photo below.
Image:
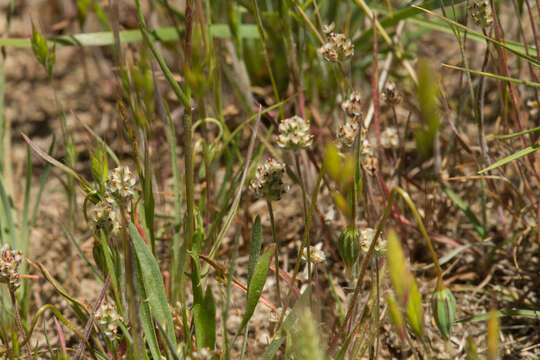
(9, 262)
(294, 133)
(268, 180)
(108, 320)
(315, 253)
(120, 188)
(389, 138)
(481, 13)
(121, 183)
(348, 132)
(366, 238)
(338, 48)
(353, 105)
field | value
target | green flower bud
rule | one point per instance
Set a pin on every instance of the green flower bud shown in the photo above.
(443, 306)
(349, 246)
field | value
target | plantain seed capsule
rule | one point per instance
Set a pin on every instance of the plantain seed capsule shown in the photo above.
(349, 246)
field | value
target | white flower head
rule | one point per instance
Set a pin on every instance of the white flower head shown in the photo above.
(337, 48)
(389, 138)
(347, 133)
(353, 105)
(9, 263)
(268, 180)
(121, 183)
(108, 320)
(294, 133)
(366, 238)
(316, 254)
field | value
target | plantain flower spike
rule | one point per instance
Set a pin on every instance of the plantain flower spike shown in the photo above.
(9, 262)
(294, 134)
(268, 181)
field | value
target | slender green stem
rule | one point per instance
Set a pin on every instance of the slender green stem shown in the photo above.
(276, 249)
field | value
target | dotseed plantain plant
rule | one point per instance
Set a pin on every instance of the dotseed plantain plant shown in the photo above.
(217, 98)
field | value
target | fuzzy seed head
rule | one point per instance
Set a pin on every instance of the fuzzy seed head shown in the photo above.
(268, 181)
(294, 134)
(9, 262)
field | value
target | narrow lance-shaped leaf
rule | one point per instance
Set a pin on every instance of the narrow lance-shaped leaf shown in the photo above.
(255, 287)
(153, 282)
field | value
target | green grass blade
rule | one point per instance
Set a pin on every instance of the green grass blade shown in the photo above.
(106, 38)
(494, 76)
(519, 52)
(153, 282)
(535, 314)
(523, 152)
(511, 136)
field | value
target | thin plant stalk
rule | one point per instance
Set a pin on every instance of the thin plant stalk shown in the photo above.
(276, 249)
(18, 320)
(304, 203)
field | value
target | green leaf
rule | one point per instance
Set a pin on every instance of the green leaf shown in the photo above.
(466, 210)
(255, 248)
(205, 321)
(153, 283)
(523, 152)
(255, 287)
